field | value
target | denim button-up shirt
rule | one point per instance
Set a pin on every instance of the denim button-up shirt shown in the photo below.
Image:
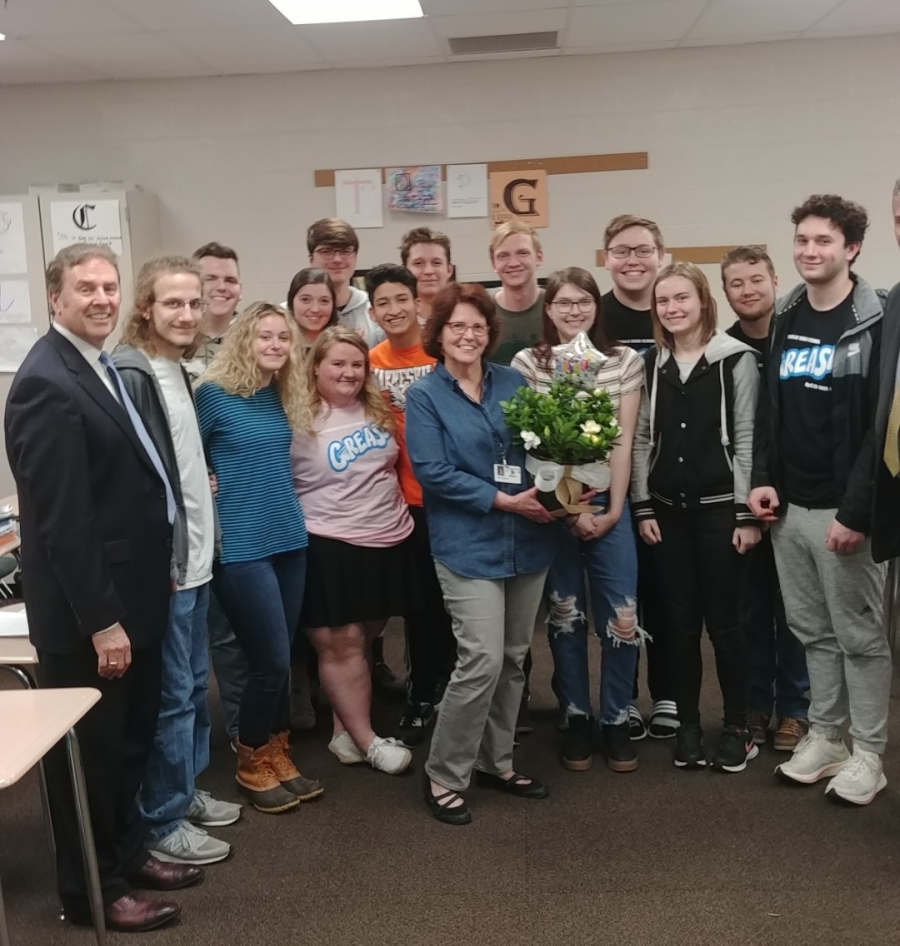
(453, 444)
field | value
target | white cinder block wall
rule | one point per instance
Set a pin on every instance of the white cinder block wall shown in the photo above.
(736, 136)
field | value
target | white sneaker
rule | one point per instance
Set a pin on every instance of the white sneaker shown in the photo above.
(211, 812)
(387, 755)
(815, 757)
(860, 780)
(347, 751)
(188, 844)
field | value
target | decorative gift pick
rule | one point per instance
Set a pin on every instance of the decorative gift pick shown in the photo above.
(569, 432)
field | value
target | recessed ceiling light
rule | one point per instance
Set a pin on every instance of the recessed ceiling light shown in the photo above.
(2, 36)
(347, 11)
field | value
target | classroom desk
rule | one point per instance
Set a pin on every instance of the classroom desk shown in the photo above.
(43, 717)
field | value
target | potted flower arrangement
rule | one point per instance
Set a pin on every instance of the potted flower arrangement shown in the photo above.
(568, 432)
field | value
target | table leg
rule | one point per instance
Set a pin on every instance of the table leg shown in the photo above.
(88, 851)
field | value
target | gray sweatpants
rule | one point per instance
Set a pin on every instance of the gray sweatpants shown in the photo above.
(493, 622)
(835, 607)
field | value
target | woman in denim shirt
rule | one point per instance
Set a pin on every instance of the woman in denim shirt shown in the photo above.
(491, 542)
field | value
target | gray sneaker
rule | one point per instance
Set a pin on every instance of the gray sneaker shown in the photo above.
(211, 812)
(188, 844)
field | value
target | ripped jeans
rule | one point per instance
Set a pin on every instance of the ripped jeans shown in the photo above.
(611, 566)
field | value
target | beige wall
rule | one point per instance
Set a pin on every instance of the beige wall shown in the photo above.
(736, 137)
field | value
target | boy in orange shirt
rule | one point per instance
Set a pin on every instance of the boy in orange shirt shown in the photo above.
(396, 363)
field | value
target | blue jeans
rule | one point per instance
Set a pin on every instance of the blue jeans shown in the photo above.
(778, 676)
(181, 746)
(611, 566)
(229, 664)
(263, 600)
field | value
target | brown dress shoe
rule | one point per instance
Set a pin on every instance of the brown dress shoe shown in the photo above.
(131, 914)
(159, 875)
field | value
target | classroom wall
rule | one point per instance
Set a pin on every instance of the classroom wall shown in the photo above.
(736, 137)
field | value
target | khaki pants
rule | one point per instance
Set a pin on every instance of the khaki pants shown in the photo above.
(493, 622)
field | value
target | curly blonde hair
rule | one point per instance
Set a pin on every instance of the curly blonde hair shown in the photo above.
(370, 396)
(235, 370)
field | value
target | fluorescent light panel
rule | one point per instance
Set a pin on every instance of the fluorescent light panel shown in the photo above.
(2, 36)
(346, 11)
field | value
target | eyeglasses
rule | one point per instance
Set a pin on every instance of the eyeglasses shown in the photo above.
(176, 305)
(460, 328)
(566, 306)
(335, 252)
(644, 251)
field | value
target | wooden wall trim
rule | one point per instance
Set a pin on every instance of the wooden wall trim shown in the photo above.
(576, 164)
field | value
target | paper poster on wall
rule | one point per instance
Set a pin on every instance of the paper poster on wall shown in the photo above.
(415, 189)
(519, 195)
(15, 343)
(86, 221)
(12, 240)
(467, 194)
(15, 302)
(357, 198)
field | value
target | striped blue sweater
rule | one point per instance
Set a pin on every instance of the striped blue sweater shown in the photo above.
(248, 441)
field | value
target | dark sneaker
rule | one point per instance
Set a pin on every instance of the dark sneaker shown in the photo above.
(637, 728)
(689, 746)
(758, 724)
(616, 745)
(524, 723)
(415, 724)
(577, 753)
(735, 750)
(386, 682)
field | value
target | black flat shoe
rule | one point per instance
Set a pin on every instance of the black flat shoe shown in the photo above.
(457, 815)
(519, 785)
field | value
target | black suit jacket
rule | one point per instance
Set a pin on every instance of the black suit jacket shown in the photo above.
(96, 543)
(886, 510)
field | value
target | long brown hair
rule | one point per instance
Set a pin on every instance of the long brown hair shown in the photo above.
(370, 396)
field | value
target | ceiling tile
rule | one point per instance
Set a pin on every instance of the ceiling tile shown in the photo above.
(385, 40)
(498, 24)
(742, 39)
(28, 18)
(21, 62)
(248, 50)
(653, 21)
(199, 14)
(465, 7)
(127, 56)
(855, 16)
(753, 18)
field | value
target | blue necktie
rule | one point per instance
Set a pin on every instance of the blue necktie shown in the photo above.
(141, 431)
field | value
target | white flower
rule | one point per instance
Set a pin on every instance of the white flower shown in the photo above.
(530, 439)
(591, 427)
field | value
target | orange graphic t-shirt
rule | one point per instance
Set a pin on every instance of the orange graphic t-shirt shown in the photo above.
(395, 369)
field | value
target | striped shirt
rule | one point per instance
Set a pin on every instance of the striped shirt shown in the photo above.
(248, 440)
(621, 373)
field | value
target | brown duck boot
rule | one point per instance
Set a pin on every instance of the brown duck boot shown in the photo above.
(305, 789)
(257, 780)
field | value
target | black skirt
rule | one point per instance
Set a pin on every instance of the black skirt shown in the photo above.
(349, 584)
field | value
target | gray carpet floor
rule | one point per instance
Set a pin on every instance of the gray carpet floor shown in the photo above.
(658, 857)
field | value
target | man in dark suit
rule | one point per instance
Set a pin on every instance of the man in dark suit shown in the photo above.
(96, 512)
(886, 513)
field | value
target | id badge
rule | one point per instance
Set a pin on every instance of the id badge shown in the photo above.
(507, 474)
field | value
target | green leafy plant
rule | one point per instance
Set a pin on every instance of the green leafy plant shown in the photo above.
(566, 425)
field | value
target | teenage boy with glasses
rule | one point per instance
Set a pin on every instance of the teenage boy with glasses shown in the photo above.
(634, 249)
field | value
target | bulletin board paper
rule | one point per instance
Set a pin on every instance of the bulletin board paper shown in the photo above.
(358, 199)
(13, 254)
(86, 221)
(467, 194)
(15, 302)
